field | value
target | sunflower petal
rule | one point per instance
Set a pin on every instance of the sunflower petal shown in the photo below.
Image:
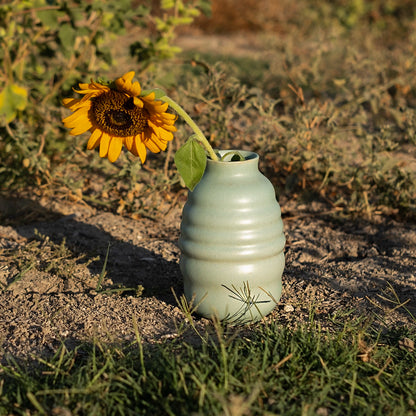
(86, 91)
(94, 139)
(149, 97)
(75, 118)
(74, 104)
(114, 149)
(163, 134)
(140, 148)
(164, 131)
(98, 86)
(169, 116)
(159, 142)
(152, 146)
(81, 127)
(138, 102)
(160, 107)
(159, 121)
(169, 128)
(104, 144)
(127, 77)
(69, 102)
(128, 142)
(135, 89)
(126, 85)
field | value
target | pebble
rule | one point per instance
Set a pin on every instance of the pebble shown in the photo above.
(288, 308)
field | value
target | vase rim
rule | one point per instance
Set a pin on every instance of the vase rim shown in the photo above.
(249, 156)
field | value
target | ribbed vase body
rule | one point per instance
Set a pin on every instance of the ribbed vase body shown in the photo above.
(232, 242)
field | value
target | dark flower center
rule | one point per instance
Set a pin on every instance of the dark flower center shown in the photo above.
(116, 114)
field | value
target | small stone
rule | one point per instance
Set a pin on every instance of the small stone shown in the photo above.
(322, 411)
(288, 308)
(407, 343)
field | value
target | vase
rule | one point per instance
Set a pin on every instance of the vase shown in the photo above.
(232, 242)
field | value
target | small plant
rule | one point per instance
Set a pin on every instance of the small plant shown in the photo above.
(160, 46)
(248, 300)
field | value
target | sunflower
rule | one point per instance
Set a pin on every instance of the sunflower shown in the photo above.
(118, 115)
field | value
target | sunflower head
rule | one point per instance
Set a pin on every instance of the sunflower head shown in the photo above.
(118, 115)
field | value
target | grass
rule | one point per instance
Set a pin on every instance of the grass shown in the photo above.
(265, 369)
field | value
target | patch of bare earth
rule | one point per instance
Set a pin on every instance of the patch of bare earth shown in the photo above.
(365, 268)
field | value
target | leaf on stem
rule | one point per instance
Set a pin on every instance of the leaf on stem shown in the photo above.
(158, 93)
(191, 161)
(13, 98)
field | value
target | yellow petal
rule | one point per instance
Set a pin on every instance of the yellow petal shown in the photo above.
(165, 127)
(86, 91)
(162, 133)
(157, 141)
(149, 97)
(83, 126)
(135, 89)
(161, 122)
(69, 102)
(165, 135)
(124, 84)
(169, 116)
(92, 88)
(138, 102)
(140, 148)
(128, 142)
(98, 86)
(74, 104)
(160, 108)
(94, 139)
(152, 147)
(104, 144)
(169, 128)
(74, 119)
(114, 149)
(127, 77)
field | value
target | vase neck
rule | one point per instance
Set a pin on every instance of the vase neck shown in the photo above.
(250, 164)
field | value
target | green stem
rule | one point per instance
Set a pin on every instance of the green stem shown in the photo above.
(200, 136)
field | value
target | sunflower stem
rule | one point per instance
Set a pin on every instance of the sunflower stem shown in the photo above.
(199, 135)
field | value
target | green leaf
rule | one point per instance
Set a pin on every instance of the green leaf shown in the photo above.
(49, 18)
(191, 161)
(12, 99)
(67, 36)
(158, 93)
(167, 4)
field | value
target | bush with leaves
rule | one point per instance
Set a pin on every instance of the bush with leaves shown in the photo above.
(47, 46)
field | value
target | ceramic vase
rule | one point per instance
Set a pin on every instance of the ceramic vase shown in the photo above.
(232, 242)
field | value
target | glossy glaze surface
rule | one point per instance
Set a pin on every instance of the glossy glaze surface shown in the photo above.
(232, 242)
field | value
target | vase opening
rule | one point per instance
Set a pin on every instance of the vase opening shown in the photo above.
(228, 155)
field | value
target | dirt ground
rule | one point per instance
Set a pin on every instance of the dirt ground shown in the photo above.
(334, 268)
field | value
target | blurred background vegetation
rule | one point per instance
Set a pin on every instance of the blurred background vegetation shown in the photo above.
(329, 104)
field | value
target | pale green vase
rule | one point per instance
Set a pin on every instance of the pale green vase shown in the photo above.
(232, 242)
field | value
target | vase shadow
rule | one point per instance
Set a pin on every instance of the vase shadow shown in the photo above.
(130, 265)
